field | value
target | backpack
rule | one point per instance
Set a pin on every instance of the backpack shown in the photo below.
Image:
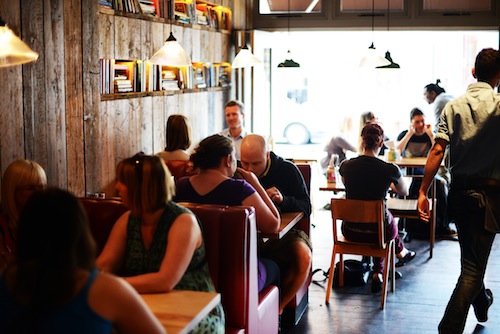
(355, 273)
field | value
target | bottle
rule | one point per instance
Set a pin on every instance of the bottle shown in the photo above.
(332, 170)
(391, 156)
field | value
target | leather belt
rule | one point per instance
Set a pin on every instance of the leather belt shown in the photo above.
(465, 182)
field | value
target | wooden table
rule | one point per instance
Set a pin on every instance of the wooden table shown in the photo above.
(179, 311)
(288, 221)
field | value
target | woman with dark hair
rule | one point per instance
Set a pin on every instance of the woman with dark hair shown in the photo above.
(367, 177)
(158, 244)
(178, 138)
(214, 184)
(54, 285)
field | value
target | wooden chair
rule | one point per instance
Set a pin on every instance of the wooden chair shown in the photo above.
(361, 212)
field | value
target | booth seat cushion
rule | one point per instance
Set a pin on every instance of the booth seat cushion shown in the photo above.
(231, 245)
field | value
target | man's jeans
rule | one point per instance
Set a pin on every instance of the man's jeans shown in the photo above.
(475, 246)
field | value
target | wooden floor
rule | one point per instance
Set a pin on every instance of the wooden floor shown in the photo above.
(418, 303)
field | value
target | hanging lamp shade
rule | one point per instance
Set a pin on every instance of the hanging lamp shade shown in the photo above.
(171, 54)
(13, 51)
(392, 64)
(289, 62)
(245, 58)
(372, 59)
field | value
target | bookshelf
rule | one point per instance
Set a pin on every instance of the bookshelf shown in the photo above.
(138, 78)
(218, 18)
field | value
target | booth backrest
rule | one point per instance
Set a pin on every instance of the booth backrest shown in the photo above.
(305, 170)
(102, 215)
(231, 245)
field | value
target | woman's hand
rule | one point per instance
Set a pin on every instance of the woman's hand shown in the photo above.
(247, 176)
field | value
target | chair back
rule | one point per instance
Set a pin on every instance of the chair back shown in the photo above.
(358, 211)
(179, 168)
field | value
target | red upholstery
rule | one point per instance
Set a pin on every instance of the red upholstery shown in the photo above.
(231, 245)
(179, 168)
(102, 214)
(297, 306)
(230, 236)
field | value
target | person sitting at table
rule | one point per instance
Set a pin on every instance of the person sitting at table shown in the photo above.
(54, 286)
(178, 140)
(374, 186)
(369, 117)
(20, 181)
(286, 187)
(158, 242)
(417, 142)
(214, 184)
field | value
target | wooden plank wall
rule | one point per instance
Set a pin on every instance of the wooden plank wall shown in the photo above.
(51, 110)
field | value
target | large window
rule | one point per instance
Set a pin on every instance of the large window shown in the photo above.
(329, 91)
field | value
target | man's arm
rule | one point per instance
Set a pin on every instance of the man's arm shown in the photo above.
(431, 167)
(297, 197)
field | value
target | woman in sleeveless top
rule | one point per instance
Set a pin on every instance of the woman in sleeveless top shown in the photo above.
(157, 245)
(215, 159)
(54, 287)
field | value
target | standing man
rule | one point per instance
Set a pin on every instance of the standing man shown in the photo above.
(469, 125)
(235, 114)
(286, 187)
(436, 95)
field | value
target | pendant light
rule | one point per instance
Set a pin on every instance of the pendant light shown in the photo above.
(13, 51)
(289, 62)
(371, 58)
(245, 58)
(387, 53)
(171, 54)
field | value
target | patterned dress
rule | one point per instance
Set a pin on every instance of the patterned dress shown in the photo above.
(197, 277)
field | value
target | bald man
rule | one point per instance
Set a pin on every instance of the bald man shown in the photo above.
(286, 187)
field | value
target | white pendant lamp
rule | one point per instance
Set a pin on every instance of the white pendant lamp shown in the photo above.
(372, 59)
(171, 54)
(245, 58)
(13, 51)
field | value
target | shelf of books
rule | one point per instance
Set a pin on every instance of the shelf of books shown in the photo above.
(121, 79)
(192, 13)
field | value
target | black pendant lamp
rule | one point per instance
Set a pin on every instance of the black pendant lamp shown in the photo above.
(288, 62)
(388, 54)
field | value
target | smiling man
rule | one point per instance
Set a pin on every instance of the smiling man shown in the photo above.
(235, 114)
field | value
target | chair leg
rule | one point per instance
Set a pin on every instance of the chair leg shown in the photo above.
(392, 257)
(341, 270)
(330, 278)
(386, 277)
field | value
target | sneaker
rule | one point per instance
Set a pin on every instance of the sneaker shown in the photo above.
(408, 257)
(447, 233)
(481, 311)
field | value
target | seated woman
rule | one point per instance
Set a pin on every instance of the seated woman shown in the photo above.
(54, 286)
(178, 140)
(158, 243)
(20, 181)
(216, 161)
(367, 177)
